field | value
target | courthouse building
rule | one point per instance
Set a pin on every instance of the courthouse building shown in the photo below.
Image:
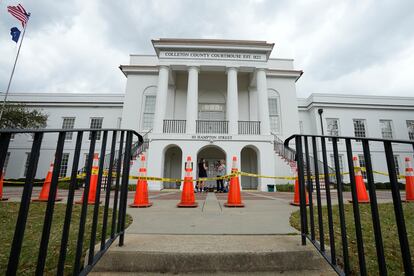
(215, 99)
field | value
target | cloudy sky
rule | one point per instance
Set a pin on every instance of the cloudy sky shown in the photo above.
(343, 46)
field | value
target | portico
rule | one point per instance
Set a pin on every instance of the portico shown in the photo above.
(230, 123)
(203, 93)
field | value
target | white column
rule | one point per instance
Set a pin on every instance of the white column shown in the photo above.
(192, 99)
(263, 104)
(161, 101)
(232, 105)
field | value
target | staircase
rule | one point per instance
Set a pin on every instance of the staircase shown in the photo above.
(136, 150)
(212, 239)
(288, 155)
(147, 254)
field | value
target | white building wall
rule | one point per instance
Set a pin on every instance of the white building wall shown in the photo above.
(58, 106)
(370, 108)
(133, 101)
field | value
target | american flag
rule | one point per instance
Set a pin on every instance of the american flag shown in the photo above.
(19, 13)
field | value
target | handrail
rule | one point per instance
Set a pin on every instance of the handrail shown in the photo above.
(288, 153)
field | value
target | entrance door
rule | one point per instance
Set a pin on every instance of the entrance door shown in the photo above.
(249, 165)
(211, 154)
(172, 166)
(211, 172)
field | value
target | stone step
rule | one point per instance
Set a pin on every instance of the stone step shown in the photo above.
(284, 273)
(178, 254)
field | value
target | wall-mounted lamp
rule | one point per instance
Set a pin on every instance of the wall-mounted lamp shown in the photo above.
(320, 111)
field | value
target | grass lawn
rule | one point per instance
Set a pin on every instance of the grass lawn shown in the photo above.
(32, 236)
(389, 235)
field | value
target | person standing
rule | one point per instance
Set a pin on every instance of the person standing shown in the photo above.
(202, 173)
(221, 171)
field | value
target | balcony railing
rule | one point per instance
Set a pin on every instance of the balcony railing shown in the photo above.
(212, 126)
(174, 126)
(249, 127)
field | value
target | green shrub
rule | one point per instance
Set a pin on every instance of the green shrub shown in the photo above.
(19, 182)
(387, 186)
(378, 186)
(284, 187)
(62, 184)
(131, 187)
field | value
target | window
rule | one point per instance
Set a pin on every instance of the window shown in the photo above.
(332, 127)
(386, 129)
(397, 164)
(6, 162)
(410, 127)
(96, 123)
(64, 165)
(359, 128)
(26, 165)
(274, 115)
(362, 165)
(301, 127)
(211, 111)
(149, 111)
(68, 123)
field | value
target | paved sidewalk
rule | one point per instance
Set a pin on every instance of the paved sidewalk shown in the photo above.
(262, 214)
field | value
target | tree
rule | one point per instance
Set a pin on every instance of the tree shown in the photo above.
(18, 115)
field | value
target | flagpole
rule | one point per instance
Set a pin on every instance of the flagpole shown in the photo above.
(12, 73)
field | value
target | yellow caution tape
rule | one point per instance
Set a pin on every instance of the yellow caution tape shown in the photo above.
(166, 179)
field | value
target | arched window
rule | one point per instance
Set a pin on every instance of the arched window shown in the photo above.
(274, 111)
(148, 110)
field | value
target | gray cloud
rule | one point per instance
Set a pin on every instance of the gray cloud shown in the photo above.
(343, 46)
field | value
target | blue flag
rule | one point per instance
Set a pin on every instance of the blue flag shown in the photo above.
(15, 33)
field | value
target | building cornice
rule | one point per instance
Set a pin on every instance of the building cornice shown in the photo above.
(355, 101)
(296, 74)
(248, 46)
(355, 105)
(67, 99)
(138, 69)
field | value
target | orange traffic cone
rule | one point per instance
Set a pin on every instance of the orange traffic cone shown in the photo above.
(361, 191)
(93, 182)
(296, 196)
(1, 188)
(44, 193)
(141, 193)
(234, 196)
(187, 195)
(409, 181)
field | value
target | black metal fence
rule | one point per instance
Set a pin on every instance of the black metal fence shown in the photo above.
(349, 227)
(121, 143)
